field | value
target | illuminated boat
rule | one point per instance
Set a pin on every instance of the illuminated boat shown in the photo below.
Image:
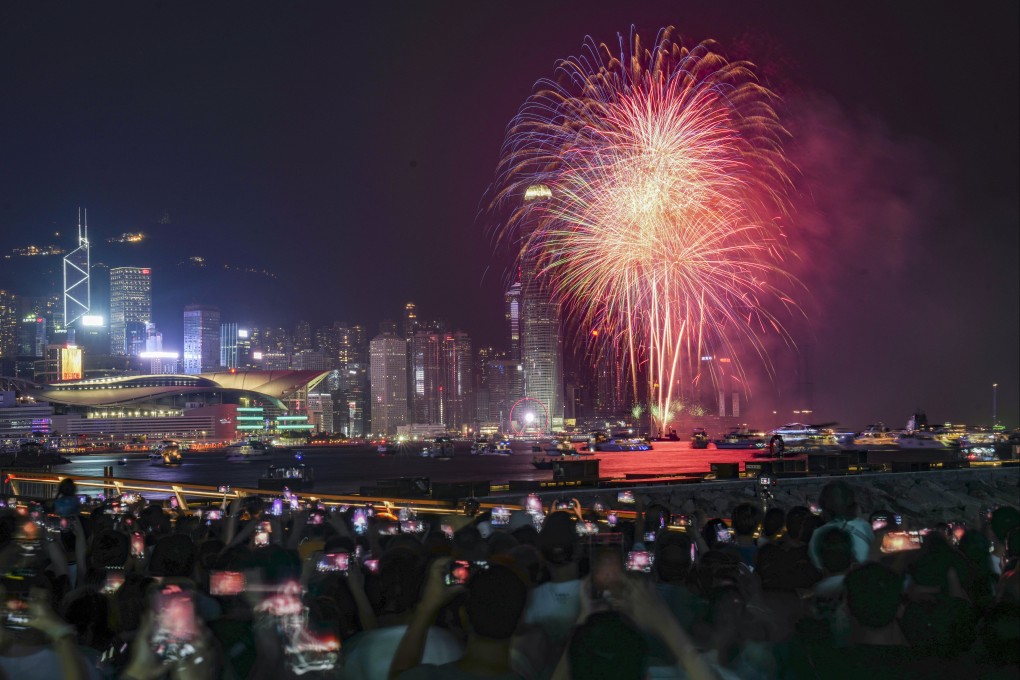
(742, 438)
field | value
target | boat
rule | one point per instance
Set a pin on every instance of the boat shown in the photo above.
(242, 452)
(560, 446)
(497, 448)
(742, 438)
(169, 453)
(441, 447)
(298, 477)
(699, 438)
(876, 438)
(618, 445)
(479, 445)
(542, 463)
(921, 439)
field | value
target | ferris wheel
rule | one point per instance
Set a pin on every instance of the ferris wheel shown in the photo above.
(529, 416)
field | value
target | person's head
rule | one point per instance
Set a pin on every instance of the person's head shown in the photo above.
(795, 519)
(942, 627)
(173, 556)
(745, 519)
(672, 556)
(528, 561)
(873, 594)
(109, 549)
(401, 573)
(812, 523)
(773, 522)
(468, 544)
(495, 601)
(716, 533)
(67, 487)
(501, 543)
(837, 501)
(1011, 556)
(1000, 634)
(607, 647)
(835, 550)
(1004, 519)
(558, 539)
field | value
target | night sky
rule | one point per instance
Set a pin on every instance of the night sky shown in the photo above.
(347, 148)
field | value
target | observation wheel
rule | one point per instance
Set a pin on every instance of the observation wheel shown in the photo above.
(529, 416)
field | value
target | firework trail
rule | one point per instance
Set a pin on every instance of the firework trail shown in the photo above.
(653, 181)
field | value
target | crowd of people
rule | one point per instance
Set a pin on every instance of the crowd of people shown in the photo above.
(274, 588)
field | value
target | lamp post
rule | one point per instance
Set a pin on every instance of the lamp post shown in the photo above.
(995, 403)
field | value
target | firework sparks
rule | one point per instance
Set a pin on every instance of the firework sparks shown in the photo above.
(651, 182)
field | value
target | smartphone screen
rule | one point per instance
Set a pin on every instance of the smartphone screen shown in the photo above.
(226, 583)
(371, 565)
(533, 503)
(607, 562)
(360, 521)
(897, 541)
(277, 507)
(137, 545)
(447, 530)
(112, 582)
(611, 519)
(175, 627)
(173, 502)
(460, 571)
(333, 562)
(16, 597)
(722, 534)
(639, 561)
(625, 497)
(261, 538)
(879, 523)
(649, 537)
(412, 526)
(500, 517)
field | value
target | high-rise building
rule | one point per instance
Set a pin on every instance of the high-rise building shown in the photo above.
(457, 382)
(130, 308)
(502, 379)
(512, 307)
(443, 382)
(541, 342)
(201, 339)
(77, 287)
(302, 336)
(31, 336)
(388, 370)
(8, 323)
(235, 346)
(426, 355)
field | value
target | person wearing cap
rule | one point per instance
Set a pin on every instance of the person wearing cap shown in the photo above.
(555, 605)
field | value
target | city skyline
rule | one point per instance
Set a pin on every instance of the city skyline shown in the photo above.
(906, 195)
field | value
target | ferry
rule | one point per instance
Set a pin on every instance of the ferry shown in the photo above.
(169, 453)
(299, 477)
(242, 452)
(497, 448)
(699, 438)
(742, 438)
(441, 447)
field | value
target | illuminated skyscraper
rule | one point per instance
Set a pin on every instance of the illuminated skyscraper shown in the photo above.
(457, 382)
(425, 379)
(388, 371)
(77, 287)
(8, 323)
(541, 339)
(513, 321)
(201, 339)
(130, 308)
(228, 345)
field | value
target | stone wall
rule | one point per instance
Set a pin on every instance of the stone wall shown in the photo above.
(924, 498)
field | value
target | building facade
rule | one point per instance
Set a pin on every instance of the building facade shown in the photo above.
(130, 308)
(201, 339)
(388, 371)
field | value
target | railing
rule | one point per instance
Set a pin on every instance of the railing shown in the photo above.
(43, 485)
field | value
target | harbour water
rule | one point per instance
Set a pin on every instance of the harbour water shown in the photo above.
(347, 469)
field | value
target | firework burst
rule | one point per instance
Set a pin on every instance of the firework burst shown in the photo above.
(652, 181)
